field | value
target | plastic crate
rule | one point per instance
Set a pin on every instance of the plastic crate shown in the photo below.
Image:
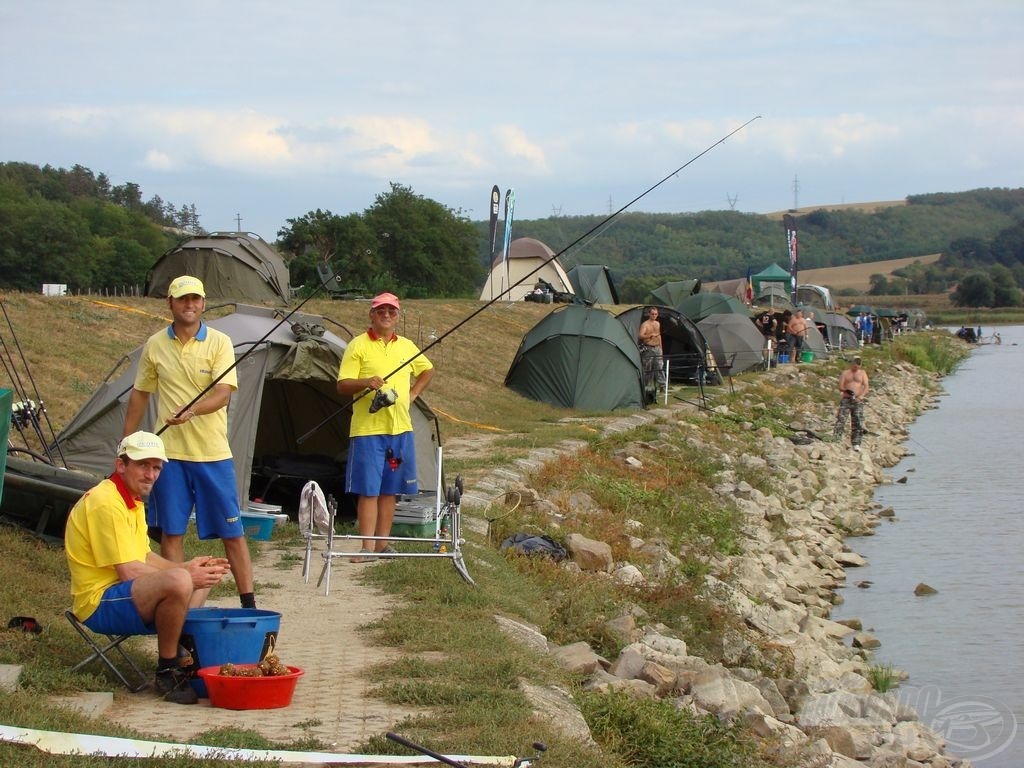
(257, 525)
(421, 531)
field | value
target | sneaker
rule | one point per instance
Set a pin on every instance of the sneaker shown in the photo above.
(173, 685)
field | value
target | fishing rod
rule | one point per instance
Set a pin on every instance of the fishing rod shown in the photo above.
(30, 409)
(537, 269)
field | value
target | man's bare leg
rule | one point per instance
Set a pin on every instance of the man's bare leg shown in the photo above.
(237, 552)
(385, 516)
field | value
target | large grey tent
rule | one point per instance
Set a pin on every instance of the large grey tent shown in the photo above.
(579, 357)
(234, 266)
(737, 345)
(286, 422)
(682, 343)
(593, 283)
(840, 331)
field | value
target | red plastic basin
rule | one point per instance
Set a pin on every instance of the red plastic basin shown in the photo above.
(235, 692)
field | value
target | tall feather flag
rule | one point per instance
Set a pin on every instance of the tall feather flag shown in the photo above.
(748, 294)
(495, 207)
(510, 204)
(790, 224)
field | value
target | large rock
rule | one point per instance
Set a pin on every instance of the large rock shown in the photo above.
(588, 554)
(555, 706)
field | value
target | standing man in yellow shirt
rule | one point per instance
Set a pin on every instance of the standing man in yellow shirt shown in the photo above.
(178, 363)
(382, 453)
(120, 587)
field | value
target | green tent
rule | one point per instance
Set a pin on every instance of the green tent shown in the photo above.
(579, 357)
(700, 305)
(770, 274)
(593, 284)
(671, 293)
(234, 266)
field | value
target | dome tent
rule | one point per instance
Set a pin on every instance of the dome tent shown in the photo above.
(578, 357)
(593, 283)
(526, 256)
(235, 266)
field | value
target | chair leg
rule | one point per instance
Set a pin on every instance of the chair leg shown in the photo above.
(100, 652)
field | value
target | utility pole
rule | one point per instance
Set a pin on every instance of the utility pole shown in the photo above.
(238, 222)
(796, 192)
(732, 200)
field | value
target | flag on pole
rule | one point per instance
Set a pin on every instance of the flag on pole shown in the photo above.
(790, 224)
(749, 293)
(495, 207)
(510, 204)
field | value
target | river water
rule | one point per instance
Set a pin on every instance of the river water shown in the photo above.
(959, 528)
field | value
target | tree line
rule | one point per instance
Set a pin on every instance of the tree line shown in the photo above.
(73, 226)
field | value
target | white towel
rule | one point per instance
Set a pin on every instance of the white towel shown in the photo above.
(313, 514)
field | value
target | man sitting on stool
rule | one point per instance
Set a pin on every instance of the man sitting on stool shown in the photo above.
(119, 586)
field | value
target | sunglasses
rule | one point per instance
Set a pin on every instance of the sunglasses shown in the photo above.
(386, 311)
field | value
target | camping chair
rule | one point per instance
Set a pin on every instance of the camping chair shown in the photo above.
(316, 519)
(103, 652)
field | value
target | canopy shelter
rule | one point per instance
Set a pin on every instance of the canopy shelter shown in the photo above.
(771, 274)
(701, 305)
(671, 293)
(839, 331)
(286, 420)
(529, 261)
(579, 357)
(234, 266)
(682, 343)
(593, 284)
(735, 342)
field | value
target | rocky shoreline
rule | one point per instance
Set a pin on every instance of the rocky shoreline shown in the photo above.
(782, 586)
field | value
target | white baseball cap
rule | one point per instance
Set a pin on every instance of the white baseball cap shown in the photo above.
(142, 445)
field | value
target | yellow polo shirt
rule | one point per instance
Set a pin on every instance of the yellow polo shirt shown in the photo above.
(106, 527)
(178, 372)
(370, 355)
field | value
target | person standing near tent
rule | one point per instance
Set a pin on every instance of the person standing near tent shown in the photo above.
(649, 336)
(178, 363)
(853, 388)
(119, 586)
(382, 453)
(796, 331)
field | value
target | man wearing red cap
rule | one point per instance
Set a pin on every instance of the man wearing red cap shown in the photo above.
(385, 373)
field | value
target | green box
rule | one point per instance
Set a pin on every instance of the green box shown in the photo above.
(422, 531)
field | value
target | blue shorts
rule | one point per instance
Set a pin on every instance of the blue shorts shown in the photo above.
(209, 486)
(117, 614)
(368, 471)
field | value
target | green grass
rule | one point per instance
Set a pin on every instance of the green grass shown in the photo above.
(883, 677)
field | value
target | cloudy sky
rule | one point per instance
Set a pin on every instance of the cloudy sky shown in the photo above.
(268, 110)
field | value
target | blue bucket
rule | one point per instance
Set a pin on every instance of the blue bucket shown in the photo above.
(216, 636)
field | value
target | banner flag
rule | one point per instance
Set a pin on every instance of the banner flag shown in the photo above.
(790, 224)
(495, 207)
(510, 204)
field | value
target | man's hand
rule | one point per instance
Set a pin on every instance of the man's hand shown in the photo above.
(207, 571)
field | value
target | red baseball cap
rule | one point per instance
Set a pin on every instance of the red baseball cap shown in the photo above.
(385, 300)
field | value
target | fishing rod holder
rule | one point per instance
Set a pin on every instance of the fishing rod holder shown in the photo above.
(446, 543)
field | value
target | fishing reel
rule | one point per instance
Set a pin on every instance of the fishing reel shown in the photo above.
(383, 398)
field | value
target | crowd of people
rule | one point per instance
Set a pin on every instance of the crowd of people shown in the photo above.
(162, 479)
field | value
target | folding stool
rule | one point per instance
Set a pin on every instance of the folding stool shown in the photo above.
(100, 651)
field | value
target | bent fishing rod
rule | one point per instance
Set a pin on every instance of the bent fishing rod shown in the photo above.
(537, 269)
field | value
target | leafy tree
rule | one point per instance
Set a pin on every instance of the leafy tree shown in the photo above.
(1005, 292)
(974, 290)
(426, 249)
(879, 285)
